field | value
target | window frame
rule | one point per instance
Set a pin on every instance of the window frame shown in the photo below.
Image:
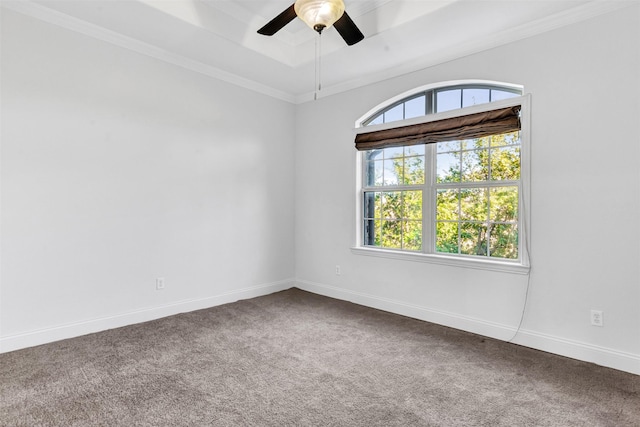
(428, 254)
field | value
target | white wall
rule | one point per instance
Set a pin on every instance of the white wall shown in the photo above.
(585, 199)
(118, 169)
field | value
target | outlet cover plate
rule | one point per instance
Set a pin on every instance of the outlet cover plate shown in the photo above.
(596, 318)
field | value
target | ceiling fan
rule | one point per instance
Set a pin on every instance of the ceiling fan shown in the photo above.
(317, 14)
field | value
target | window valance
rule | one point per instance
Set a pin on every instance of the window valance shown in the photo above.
(475, 125)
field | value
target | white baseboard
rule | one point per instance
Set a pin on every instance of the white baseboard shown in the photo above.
(615, 359)
(60, 332)
(603, 356)
(470, 324)
(610, 358)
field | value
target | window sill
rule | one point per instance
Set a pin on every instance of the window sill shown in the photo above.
(462, 262)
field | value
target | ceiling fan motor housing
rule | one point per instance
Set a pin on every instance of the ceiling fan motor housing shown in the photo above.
(319, 14)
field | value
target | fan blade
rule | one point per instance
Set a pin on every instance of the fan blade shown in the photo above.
(348, 30)
(278, 22)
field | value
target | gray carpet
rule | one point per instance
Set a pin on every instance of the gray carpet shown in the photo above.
(299, 359)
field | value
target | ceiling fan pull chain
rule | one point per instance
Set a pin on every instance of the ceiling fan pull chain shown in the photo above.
(317, 83)
(319, 61)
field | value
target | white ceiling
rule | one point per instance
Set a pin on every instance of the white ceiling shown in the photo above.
(219, 38)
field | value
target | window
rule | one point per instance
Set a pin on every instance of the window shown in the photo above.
(445, 181)
(440, 100)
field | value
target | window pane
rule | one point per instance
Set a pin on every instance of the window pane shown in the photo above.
(394, 114)
(474, 204)
(373, 154)
(391, 205)
(377, 121)
(414, 150)
(448, 100)
(473, 239)
(373, 172)
(510, 138)
(392, 171)
(392, 234)
(412, 235)
(504, 241)
(504, 204)
(505, 163)
(474, 97)
(472, 144)
(393, 152)
(447, 205)
(497, 95)
(448, 146)
(370, 232)
(369, 205)
(412, 208)
(374, 236)
(372, 205)
(414, 107)
(414, 170)
(448, 167)
(447, 237)
(475, 165)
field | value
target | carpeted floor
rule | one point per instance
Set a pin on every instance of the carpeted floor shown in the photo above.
(299, 359)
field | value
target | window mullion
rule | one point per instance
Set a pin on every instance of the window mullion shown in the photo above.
(428, 98)
(478, 184)
(428, 201)
(387, 188)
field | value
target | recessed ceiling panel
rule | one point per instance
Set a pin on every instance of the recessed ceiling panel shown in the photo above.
(400, 35)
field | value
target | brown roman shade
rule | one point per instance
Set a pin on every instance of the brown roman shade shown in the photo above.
(476, 125)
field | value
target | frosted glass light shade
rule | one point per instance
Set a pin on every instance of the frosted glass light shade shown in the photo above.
(319, 14)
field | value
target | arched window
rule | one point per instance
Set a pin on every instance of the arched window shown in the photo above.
(439, 99)
(443, 176)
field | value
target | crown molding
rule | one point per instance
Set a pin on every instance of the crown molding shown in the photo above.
(568, 17)
(65, 21)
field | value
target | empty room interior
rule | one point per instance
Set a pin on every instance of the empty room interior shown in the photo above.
(263, 229)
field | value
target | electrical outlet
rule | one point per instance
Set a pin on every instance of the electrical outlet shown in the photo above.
(159, 283)
(596, 318)
(337, 270)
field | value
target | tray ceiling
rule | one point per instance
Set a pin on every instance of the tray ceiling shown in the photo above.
(218, 37)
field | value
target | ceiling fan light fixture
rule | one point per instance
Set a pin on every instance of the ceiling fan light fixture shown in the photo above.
(319, 14)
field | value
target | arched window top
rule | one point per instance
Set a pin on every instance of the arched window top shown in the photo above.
(436, 98)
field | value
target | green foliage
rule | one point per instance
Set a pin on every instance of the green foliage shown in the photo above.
(413, 170)
(479, 219)
(395, 217)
